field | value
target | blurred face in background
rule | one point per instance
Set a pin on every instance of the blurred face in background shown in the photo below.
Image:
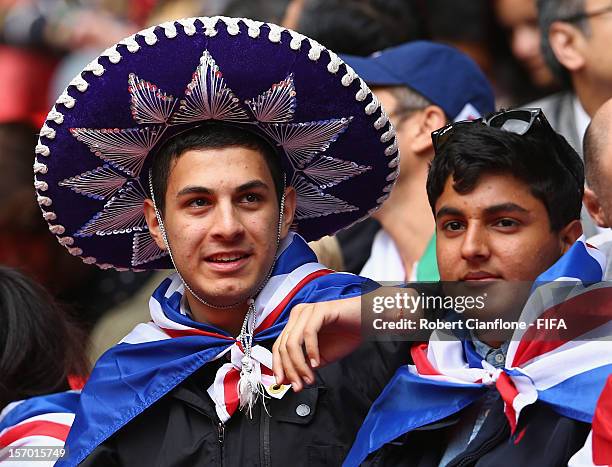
(520, 19)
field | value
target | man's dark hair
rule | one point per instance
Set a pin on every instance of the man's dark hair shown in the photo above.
(211, 136)
(361, 27)
(546, 163)
(39, 347)
(550, 11)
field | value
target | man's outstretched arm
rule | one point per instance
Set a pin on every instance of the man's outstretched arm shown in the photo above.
(316, 334)
(320, 333)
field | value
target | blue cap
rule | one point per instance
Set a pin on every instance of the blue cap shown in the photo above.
(443, 75)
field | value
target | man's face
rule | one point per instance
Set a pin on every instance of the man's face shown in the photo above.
(598, 61)
(497, 231)
(221, 217)
(520, 19)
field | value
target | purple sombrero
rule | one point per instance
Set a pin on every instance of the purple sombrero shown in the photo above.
(336, 144)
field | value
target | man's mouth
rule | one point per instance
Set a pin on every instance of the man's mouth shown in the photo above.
(225, 258)
(480, 276)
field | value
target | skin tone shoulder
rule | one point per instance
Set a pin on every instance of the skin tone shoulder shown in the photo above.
(221, 217)
(497, 231)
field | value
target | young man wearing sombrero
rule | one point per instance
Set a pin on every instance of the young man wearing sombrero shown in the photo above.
(233, 135)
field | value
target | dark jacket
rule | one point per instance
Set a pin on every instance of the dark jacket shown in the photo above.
(542, 438)
(314, 427)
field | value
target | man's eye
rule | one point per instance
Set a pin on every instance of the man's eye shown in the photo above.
(251, 198)
(198, 203)
(506, 223)
(453, 226)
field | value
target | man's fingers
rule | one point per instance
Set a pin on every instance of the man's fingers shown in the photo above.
(290, 374)
(311, 340)
(295, 346)
(277, 365)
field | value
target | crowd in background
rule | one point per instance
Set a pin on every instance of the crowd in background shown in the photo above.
(45, 43)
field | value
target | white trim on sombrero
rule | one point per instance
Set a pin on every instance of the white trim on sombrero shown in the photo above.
(81, 84)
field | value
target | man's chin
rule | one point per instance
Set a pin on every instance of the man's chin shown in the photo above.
(225, 295)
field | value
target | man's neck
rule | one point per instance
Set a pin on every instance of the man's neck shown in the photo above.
(228, 319)
(407, 218)
(590, 94)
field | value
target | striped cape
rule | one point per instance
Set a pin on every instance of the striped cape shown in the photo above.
(597, 450)
(448, 375)
(42, 421)
(157, 356)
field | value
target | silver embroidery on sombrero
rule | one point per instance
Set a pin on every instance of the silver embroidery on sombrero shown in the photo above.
(276, 105)
(328, 171)
(303, 141)
(312, 202)
(122, 214)
(207, 97)
(125, 149)
(99, 183)
(144, 249)
(149, 103)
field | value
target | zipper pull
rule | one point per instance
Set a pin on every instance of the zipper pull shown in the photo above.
(221, 428)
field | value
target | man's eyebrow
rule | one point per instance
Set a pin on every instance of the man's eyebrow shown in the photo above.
(253, 184)
(489, 211)
(194, 189)
(505, 207)
(448, 211)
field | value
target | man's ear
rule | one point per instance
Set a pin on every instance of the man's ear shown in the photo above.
(429, 119)
(591, 202)
(567, 43)
(151, 218)
(569, 234)
(290, 205)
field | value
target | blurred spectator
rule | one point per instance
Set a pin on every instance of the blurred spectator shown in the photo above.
(598, 173)
(41, 359)
(520, 19)
(25, 242)
(575, 42)
(35, 34)
(168, 10)
(466, 26)
(271, 11)
(40, 349)
(360, 27)
(598, 166)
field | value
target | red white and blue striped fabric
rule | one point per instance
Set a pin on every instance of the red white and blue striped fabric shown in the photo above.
(42, 421)
(157, 356)
(448, 375)
(270, 303)
(597, 450)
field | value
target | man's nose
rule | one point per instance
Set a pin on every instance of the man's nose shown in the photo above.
(475, 245)
(226, 222)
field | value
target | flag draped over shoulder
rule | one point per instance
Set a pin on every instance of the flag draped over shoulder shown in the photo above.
(41, 421)
(567, 374)
(597, 450)
(157, 356)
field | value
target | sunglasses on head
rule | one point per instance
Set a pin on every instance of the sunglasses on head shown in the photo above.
(517, 121)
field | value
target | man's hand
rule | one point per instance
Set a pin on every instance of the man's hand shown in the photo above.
(315, 335)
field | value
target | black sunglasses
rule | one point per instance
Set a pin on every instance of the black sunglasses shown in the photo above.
(518, 121)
